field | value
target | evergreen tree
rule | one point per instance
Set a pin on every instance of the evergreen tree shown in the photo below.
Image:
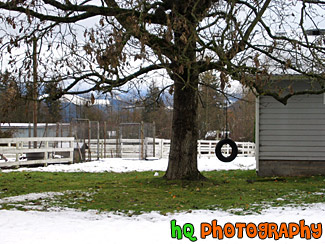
(51, 89)
(13, 104)
(210, 112)
(153, 103)
(156, 111)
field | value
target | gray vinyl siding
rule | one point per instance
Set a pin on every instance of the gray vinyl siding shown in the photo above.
(295, 131)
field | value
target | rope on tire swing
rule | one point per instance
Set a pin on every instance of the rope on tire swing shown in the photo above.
(225, 141)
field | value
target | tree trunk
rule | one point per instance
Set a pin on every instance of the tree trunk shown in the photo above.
(182, 163)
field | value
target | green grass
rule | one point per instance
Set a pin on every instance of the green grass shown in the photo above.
(240, 192)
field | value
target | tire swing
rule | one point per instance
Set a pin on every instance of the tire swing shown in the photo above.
(234, 150)
(225, 141)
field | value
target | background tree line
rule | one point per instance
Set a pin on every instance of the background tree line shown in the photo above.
(153, 106)
(16, 98)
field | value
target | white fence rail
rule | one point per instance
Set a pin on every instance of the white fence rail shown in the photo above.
(135, 148)
(48, 150)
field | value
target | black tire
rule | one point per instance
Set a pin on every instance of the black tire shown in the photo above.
(234, 150)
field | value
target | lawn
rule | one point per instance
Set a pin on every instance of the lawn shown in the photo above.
(236, 191)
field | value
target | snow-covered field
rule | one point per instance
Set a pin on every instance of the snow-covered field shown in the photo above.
(72, 226)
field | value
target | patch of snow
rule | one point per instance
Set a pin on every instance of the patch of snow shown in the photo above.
(30, 197)
(43, 201)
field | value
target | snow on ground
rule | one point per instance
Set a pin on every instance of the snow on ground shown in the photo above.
(69, 226)
(125, 165)
(88, 227)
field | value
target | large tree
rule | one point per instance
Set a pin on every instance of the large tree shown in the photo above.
(109, 43)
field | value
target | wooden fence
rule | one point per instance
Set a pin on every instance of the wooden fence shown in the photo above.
(143, 149)
(50, 150)
(36, 150)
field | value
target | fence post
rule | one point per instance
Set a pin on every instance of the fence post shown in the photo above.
(161, 148)
(105, 131)
(57, 134)
(146, 142)
(46, 151)
(101, 149)
(46, 130)
(154, 139)
(118, 142)
(29, 134)
(17, 154)
(61, 131)
(71, 145)
(89, 137)
(199, 145)
(97, 140)
(142, 140)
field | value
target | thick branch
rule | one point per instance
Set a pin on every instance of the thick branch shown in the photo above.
(241, 45)
(313, 1)
(104, 84)
(43, 17)
(88, 11)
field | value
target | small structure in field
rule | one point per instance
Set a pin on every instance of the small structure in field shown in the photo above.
(290, 139)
